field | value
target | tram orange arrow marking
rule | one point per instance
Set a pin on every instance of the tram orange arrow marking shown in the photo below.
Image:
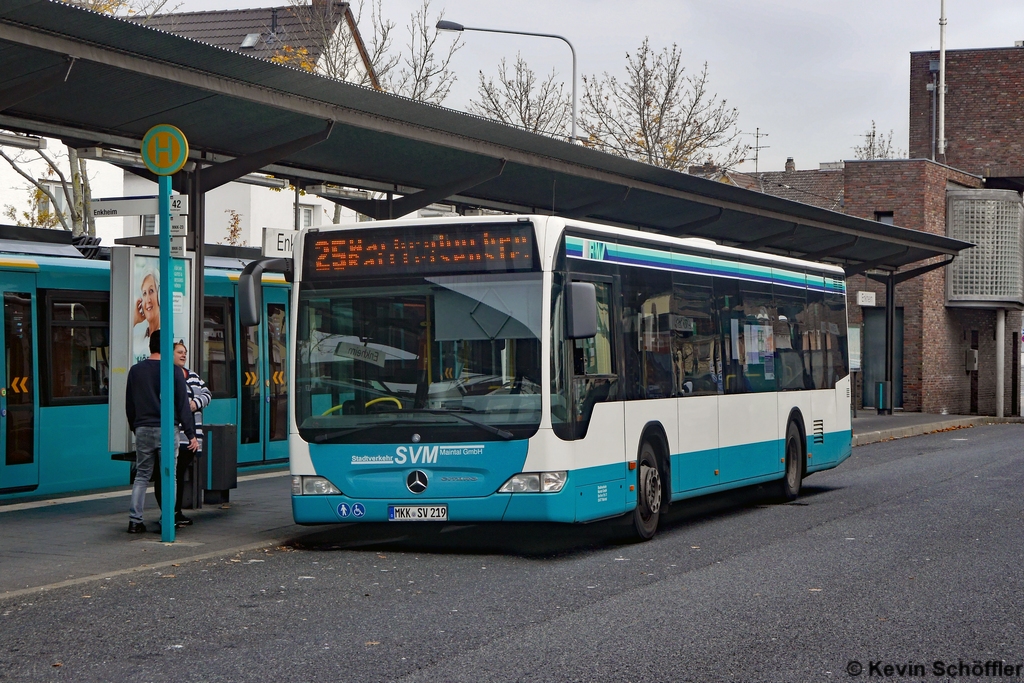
(279, 377)
(14, 385)
(24, 384)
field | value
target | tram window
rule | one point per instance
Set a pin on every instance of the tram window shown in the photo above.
(218, 369)
(78, 347)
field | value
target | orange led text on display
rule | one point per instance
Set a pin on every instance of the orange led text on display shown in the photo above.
(356, 253)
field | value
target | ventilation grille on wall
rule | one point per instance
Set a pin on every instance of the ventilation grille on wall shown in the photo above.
(989, 275)
(819, 431)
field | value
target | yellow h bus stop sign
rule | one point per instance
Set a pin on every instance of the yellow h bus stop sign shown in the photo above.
(164, 149)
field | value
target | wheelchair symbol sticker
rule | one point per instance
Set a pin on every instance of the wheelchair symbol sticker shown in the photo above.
(344, 510)
(358, 510)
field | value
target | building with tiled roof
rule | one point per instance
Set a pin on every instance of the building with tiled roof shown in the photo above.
(321, 37)
(822, 187)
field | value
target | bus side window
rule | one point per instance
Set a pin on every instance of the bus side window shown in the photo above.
(696, 357)
(647, 333)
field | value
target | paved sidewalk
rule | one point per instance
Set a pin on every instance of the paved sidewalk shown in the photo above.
(52, 544)
(869, 427)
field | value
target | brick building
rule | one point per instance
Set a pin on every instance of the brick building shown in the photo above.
(984, 102)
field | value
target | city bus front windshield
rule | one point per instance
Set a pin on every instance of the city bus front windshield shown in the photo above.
(438, 358)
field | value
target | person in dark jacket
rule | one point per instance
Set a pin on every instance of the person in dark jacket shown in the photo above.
(199, 396)
(142, 407)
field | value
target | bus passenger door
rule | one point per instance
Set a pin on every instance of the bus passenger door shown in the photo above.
(263, 397)
(250, 396)
(19, 465)
(275, 373)
(598, 411)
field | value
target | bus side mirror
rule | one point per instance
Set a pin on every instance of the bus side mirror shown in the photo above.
(250, 288)
(582, 310)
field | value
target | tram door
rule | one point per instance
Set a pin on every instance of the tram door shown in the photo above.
(19, 461)
(263, 404)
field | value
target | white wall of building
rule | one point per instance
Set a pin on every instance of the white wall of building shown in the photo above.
(105, 181)
(257, 208)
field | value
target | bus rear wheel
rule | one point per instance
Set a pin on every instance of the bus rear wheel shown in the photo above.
(648, 493)
(789, 487)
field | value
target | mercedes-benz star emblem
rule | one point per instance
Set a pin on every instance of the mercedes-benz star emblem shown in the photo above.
(415, 438)
(417, 481)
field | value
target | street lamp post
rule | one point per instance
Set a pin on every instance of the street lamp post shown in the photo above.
(452, 26)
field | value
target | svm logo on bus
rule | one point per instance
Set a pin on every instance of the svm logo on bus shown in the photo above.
(164, 149)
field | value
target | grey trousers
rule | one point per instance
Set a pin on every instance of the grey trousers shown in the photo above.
(147, 449)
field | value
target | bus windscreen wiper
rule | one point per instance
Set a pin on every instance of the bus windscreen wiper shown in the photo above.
(454, 413)
(501, 433)
(320, 438)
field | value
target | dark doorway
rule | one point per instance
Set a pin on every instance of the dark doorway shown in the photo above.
(873, 361)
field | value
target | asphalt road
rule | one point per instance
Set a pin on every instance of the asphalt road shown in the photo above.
(908, 554)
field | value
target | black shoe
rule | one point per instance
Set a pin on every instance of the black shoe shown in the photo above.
(181, 520)
(136, 528)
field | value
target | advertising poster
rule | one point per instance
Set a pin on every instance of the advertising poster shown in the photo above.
(146, 304)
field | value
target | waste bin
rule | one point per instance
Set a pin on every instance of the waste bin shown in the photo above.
(221, 462)
(193, 483)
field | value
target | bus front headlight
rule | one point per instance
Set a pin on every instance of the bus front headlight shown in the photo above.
(535, 482)
(313, 486)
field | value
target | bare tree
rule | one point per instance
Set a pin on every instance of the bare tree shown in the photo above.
(72, 188)
(343, 52)
(877, 146)
(520, 99)
(424, 75)
(659, 114)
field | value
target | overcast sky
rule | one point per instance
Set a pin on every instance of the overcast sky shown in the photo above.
(812, 74)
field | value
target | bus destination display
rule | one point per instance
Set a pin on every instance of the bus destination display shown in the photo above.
(491, 247)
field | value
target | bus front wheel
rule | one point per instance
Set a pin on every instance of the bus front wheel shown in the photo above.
(789, 487)
(648, 493)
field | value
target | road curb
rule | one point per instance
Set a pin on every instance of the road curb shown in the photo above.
(259, 545)
(875, 436)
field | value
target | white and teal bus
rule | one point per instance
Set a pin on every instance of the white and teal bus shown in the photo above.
(533, 368)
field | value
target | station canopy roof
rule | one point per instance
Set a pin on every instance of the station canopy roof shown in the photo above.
(124, 78)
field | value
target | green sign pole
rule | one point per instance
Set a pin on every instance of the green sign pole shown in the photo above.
(165, 151)
(168, 433)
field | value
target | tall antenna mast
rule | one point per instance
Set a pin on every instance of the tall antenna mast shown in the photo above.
(942, 80)
(757, 144)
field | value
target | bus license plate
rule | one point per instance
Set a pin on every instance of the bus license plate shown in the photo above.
(418, 513)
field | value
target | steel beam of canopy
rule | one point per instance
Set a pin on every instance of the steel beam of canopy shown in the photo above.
(767, 239)
(818, 255)
(383, 209)
(684, 228)
(40, 82)
(904, 275)
(223, 173)
(873, 263)
(590, 207)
